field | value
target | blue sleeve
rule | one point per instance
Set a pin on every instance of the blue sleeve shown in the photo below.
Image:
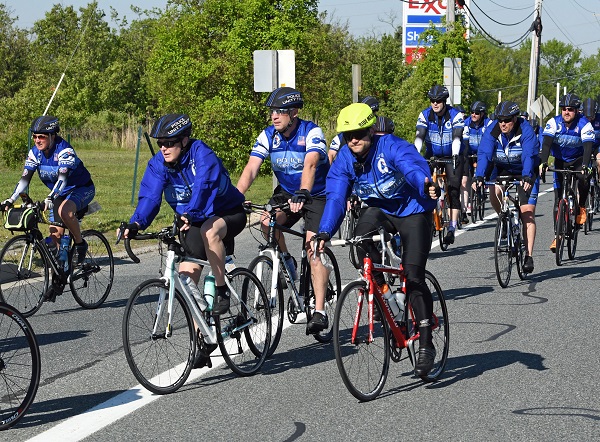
(338, 184)
(412, 165)
(206, 184)
(530, 154)
(485, 151)
(150, 195)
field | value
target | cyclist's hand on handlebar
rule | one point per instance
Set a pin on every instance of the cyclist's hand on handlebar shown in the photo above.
(318, 243)
(48, 203)
(126, 230)
(527, 183)
(187, 222)
(301, 196)
(586, 170)
(6, 204)
(247, 205)
(433, 189)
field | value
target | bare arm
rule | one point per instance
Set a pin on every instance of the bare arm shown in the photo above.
(249, 174)
(311, 161)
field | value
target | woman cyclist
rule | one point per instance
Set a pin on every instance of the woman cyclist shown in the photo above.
(390, 176)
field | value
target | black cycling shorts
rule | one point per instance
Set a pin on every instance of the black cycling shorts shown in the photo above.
(311, 212)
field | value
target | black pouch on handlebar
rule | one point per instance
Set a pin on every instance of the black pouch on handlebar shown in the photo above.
(20, 219)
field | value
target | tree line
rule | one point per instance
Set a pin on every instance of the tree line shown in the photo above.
(197, 57)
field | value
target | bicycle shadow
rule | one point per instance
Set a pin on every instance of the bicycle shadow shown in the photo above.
(466, 292)
(460, 250)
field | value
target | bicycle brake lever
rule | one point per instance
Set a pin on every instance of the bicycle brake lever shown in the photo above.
(122, 228)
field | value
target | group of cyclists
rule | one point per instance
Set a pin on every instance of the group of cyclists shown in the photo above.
(391, 176)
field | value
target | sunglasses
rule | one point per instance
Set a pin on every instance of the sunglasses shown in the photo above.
(438, 101)
(505, 120)
(39, 136)
(569, 109)
(168, 143)
(475, 113)
(280, 111)
(355, 135)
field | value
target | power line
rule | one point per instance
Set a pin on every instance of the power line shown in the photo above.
(496, 21)
(507, 7)
(552, 80)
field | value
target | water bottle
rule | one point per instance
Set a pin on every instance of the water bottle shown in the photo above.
(209, 291)
(63, 252)
(190, 286)
(400, 298)
(51, 245)
(391, 300)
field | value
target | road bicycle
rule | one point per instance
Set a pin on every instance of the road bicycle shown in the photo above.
(442, 211)
(566, 228)
(346, 230)
(509, 240)
(30, 273)
(273, 271)
(20, 366)
(165, 330)
(476, 198)
(593, 200)
(364, 346)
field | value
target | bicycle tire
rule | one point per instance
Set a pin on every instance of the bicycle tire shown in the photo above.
(363, 365)
(129, 250)
(572, 231)
(262, 267)
(481, 204)
(440, 332)
(244, 331)
(20, 366)
(24, 275)
(521, 248)
(334, 288)
(161, 364)
(92, 280)
(561, 231)
(473, 197)
(502, 250)
(445, 223)
(589, 205)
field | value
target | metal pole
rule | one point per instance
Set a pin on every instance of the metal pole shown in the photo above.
(137, 158)
(534, 62)
(356, 82)
(450, 13)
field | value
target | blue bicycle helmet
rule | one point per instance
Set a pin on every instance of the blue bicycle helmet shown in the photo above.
(589, 108)
(438, 92)
(46, 124)
(569, 100)
(507, 109)
(285, 98)
(478, 106)
(372, 102)
(172, 126)
(384, 125)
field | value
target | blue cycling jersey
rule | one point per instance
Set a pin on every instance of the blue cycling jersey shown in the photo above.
(568, 141)
(474, 132)
(439, 130)
(62, 159)
(596, 126)
(516, 152)
(337, 142)
(392, 177)
(287, 155)
(198, 185)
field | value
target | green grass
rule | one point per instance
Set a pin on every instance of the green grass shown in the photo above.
(112, 170)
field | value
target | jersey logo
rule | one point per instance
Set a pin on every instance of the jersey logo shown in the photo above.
(448, 124)
(301, 140)
(382, 166)
(276, 142)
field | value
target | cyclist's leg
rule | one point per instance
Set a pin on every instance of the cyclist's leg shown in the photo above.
(287, 219)
(454, 176)
(76, 200)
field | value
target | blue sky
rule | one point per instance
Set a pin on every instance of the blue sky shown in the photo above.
(572, 21)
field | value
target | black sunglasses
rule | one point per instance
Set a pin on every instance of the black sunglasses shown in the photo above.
(569, 109)
(355, 135)
(475, 113)
(168, 143)
(505, 120)
(438, 101)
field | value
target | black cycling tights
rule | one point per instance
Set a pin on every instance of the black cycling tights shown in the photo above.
(583, 183)
(415, 231)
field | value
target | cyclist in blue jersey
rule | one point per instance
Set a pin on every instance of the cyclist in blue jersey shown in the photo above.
(440, 128)
(509, 143)
(197, 187)
(570, 138)
(475, 126)
(590, 111)
(395, 182)
(59, 168)
(337, 141)
(299, 160)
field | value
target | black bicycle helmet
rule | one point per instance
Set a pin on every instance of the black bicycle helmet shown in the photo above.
(569, 100)
(589, 108)
(172, 126)
(385, 125)
(438, 92)
(46, 124)
(372, 102)
(478, 106)
(285, 98)
(507, 109)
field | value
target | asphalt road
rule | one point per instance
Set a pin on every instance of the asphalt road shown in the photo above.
(523, 364)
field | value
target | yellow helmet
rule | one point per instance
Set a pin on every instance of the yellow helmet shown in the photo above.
(356, 116)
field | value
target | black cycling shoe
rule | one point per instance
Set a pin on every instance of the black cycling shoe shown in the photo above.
(449, 238)
(425, 359)
(528, 264)
(81, 249)
(465, 218)
(222, 303)
(202, 358)
(53, 291)
(317, 323)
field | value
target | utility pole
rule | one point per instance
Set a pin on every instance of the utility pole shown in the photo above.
(534, 64)
(450, 15)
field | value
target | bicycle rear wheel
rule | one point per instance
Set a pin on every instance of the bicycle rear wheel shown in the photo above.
(572, 232)
(473, 197)
(481, 196)
(159, 362)
(445, 224)
(24, 275)
(334, 288)
(502, 250)
(561, 231)
(92, 280)
(587, 226)
(244, 331)
(20, 366)
(362, 363)
(521, 248)
(440, 330)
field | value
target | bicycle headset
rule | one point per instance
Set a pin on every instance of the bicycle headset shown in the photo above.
(46, 124)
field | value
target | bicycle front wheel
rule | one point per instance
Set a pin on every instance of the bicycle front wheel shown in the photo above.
(363, 361)
(474, 199)
(561, 231)
(587, 226)
(160, 360)
(445, 224)
(572, 232)
(244, 331)
(20, 366)
(334, 288)
(24, 275)
(481, 196)
(262, 267)
(521, 248)
(503, 250)
(92, 280)
(440, 330)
